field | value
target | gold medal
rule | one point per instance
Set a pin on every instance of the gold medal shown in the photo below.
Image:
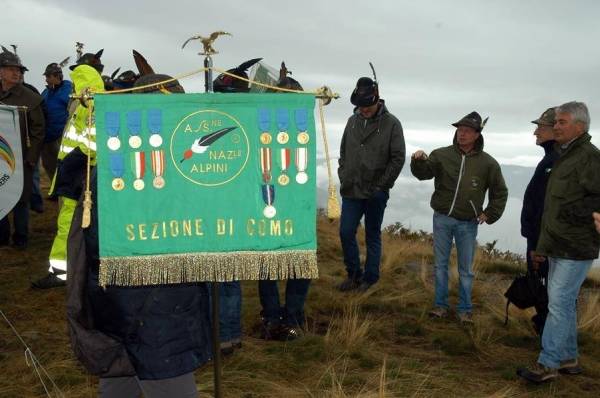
(283, 137)
(158, 182)
(303, 138)
(138, 184)
(265, 138)
(283, 179)
(118, 184)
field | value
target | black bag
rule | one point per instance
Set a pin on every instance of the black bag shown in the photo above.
(526, 291)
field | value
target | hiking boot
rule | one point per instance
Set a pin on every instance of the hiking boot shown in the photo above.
(348, 285)
(364, 286)
(438, 312)
(570, 367)
(48, 282)
(289, 333)
(466, 318)
(537, 373)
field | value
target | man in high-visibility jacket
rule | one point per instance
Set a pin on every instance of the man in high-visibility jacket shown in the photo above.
(78, 139)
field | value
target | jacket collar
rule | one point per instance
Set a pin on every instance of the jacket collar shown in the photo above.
(582, 139)
(548, 146)
(16, 90)
(476, 149)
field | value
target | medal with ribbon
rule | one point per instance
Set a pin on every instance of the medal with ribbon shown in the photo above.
(158, 168)
(134, 125)
(301, 164)
(302, 123)
(264, 124)
(117, 168)
(268, 194)
(284, 162)
(155, 125)
(283, 122)
(112, 124)
(138, 166)
(265, 164)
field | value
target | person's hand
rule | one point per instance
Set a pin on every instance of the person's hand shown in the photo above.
(419, 155)
(536, 260)
(597, 221)
(482, 218)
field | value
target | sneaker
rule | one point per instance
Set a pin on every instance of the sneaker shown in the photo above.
(48, 282)
(438, 312)
(570, 367)
(289, 333)
(537, 373)
(347, 285)
(466, 318)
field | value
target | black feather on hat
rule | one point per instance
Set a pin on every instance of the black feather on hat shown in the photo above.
(366, 92)
(472, 120)
(229, 84)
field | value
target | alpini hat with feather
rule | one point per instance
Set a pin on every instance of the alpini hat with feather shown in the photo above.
(8, 58)
(90, 59)
(472, 120)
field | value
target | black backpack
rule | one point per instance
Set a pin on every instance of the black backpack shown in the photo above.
(526, 291)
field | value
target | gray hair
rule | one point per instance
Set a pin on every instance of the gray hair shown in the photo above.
(579, 112)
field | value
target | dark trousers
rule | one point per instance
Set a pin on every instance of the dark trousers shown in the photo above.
(352, 212)
(20, 215)
(539, 319)
(230, 311)
(292, 314)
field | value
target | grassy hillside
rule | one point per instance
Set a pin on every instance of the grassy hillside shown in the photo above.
(377, 344)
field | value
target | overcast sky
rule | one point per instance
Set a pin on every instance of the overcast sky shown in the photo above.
(436, 60)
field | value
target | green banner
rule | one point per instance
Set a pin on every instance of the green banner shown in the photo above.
(205, 187)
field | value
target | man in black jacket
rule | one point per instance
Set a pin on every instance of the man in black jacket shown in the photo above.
(533, 203)
(372, 154)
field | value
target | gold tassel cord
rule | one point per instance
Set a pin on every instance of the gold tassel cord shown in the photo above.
(207, 267)
(87, 195)
(333, 206)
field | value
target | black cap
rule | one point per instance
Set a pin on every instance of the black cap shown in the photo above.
(472, 120)
(229, 84)
(90, 59)
(366, 92)
(53, 68)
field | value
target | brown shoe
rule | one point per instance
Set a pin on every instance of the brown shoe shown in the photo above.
(466, 318)
(538, 373)
(438, 312)
(570, 367)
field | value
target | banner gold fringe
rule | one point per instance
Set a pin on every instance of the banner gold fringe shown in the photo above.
(208, 267)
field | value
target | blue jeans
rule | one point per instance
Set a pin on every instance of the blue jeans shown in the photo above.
(352, 212)
(20, 214)
(295, 296)
(464, 233)
(230, 311)
(559, 340)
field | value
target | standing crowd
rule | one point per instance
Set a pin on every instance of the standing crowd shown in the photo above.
(151, 339)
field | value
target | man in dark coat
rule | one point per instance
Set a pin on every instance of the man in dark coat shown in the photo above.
(31, 119)
(372, 154)
(568, 239)
(533, 203)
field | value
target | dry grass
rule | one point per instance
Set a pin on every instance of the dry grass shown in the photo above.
(375, 344)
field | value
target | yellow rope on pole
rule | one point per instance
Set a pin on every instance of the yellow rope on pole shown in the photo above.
(333, 206)
(87, 195)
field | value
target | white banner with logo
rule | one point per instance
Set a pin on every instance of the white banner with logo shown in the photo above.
(11, 159)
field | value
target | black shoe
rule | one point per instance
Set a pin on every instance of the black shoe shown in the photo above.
(48, 282)
(348, 285)
(270, 331)
(289, 333)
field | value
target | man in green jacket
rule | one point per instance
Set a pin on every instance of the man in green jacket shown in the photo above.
(462, 174)
(371, 157)
(568, 238)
